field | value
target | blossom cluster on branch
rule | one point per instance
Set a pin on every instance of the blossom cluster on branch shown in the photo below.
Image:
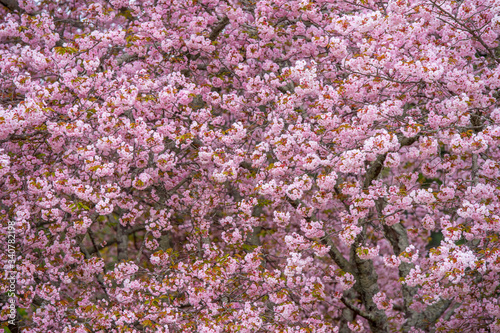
(251, 165)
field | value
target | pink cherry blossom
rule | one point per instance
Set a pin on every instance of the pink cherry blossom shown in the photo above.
(250, 166)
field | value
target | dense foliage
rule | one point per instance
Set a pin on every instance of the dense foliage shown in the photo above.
(251, 166)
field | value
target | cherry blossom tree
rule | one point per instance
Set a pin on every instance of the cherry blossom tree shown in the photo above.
(250, 166)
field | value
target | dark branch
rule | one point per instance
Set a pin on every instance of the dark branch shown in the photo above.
(114, 240)
(335, 254)
(378, 164)
(218, 28)
(358, 311)
(12, 5)
(374, 170)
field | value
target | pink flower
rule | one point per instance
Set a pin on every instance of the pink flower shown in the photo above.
(349, 233)
(166, 161)
(142, 181)
(367, 253)
(345, 280)
(428, 222)
(392, 261)
(352, 161)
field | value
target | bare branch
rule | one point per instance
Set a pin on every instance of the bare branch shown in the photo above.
(122, 240)
(377, 165)
(374, 170)
(12, 5)
(218, 28)
(335, 254)
(424, 320)
(473, 32)
(139, 255)
(114, 240)
(88, 256)
(357, 310)
(474, 170)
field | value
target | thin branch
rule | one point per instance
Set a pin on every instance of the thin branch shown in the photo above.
(91, 236)
(139, 255)
(113, 241)
(13, 6)
(377, 165)
(374, 170)
(469, 30)
(124, 58)
(99, 276)
(182, 182)
(357, 310)
(334, 252)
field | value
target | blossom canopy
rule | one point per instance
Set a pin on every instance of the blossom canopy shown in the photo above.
(250, 166)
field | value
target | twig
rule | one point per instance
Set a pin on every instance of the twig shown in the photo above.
(141, 248)
(358, 311)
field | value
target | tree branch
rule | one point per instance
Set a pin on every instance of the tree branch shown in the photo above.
(335, 254)
(139, 255)
(122, 240)
(367, 286)
(378, 164)
(113, 241)
(91, 236)
(99, 276)
(428, 317)
(124, 58)
(374, 170)
(357, 310)
(12, 5)
(474, 169)
(218, 28)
